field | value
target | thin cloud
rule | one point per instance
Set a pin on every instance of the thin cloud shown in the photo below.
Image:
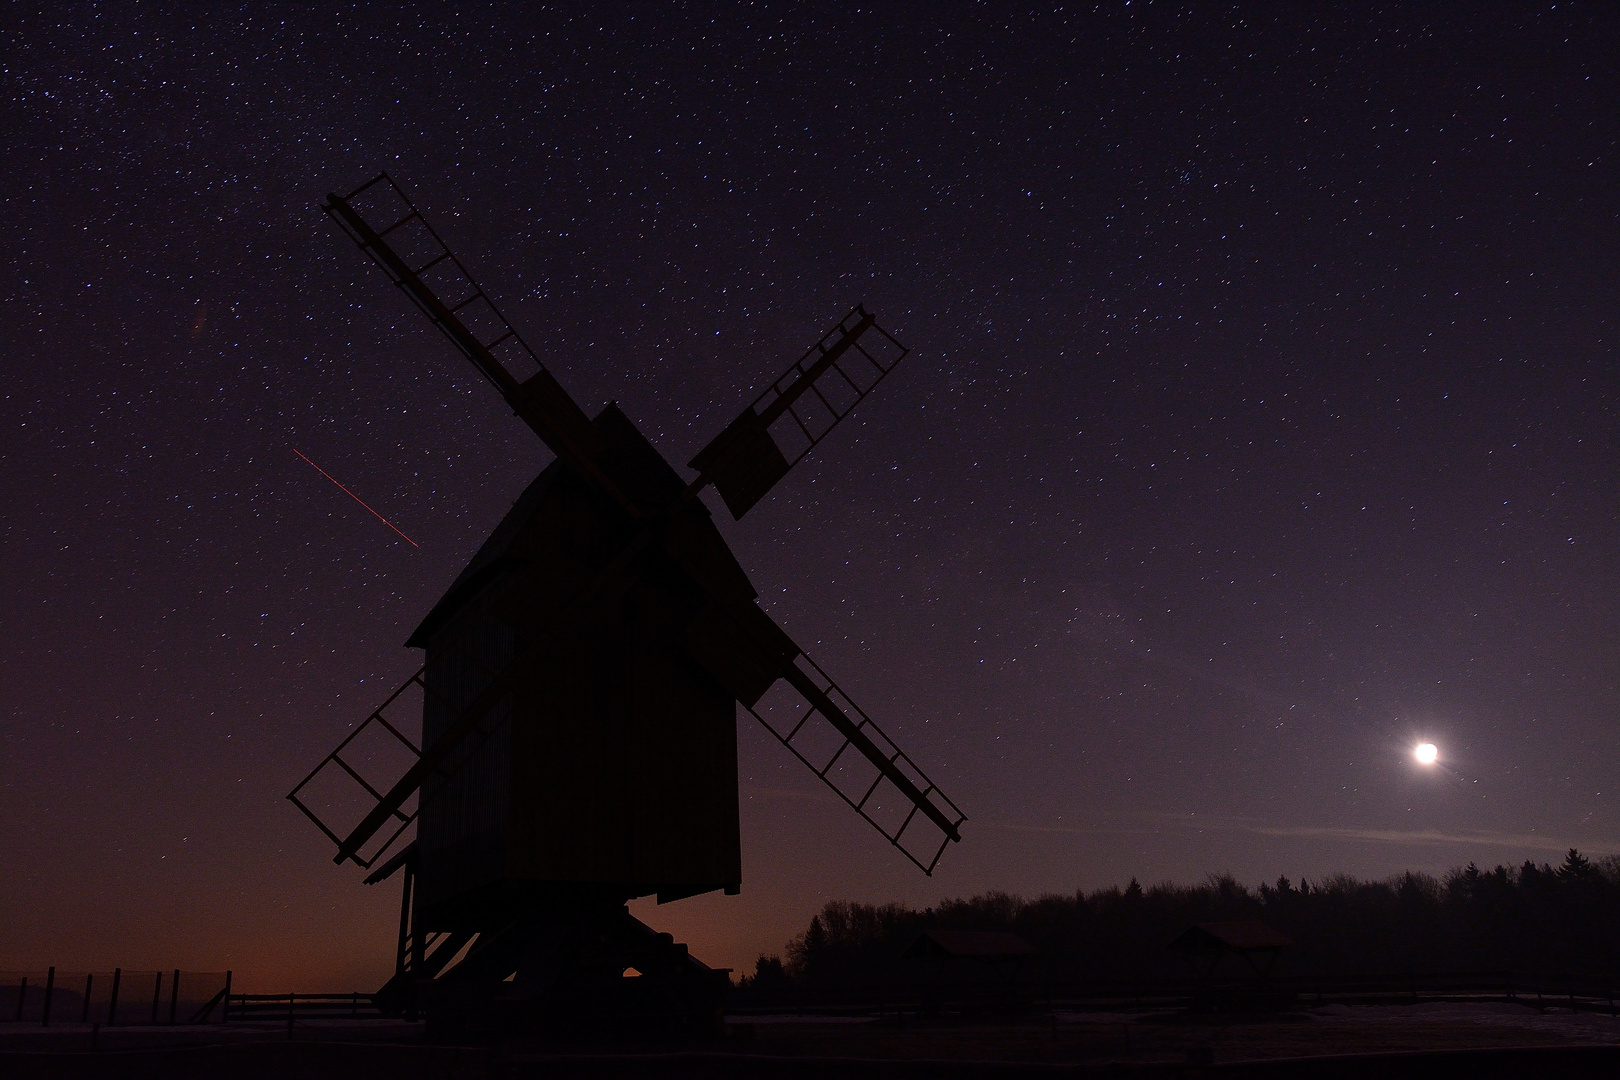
(1422, 837)
(1399, 837)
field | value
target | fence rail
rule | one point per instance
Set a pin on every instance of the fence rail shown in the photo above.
(152, 998)
(290, 1007)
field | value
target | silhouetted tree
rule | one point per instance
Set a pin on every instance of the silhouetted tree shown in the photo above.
(1577, 868)
(769, 974)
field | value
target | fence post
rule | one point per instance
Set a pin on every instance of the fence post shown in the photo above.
(291, 999)
(174, 995)
(112, 1002)
(84, 1014)
(225, 1005)
(50, 988)
(22, 993)
(157, 996)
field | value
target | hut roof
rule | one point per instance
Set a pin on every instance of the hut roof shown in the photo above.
(988, 945)
(1230, 937)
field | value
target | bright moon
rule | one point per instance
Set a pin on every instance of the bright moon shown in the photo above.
(1426, 753)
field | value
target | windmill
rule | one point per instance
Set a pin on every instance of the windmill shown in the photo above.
(579, 689)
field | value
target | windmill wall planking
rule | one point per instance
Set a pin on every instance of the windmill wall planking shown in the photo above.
(614, 762)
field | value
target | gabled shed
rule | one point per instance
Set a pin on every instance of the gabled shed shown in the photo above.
(977, 967)
(1207, 944)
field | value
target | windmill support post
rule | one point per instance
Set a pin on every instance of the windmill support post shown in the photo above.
(403, 952)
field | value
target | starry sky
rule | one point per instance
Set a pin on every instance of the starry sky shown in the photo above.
(1260, 424)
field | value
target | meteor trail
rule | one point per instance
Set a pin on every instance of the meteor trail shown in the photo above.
(356, 498)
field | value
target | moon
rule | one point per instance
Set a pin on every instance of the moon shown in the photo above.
(1426, 753)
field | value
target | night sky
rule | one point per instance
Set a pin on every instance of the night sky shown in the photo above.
(1261, 423)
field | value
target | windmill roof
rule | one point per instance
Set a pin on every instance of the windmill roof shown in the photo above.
(638, 470)
(490, 558)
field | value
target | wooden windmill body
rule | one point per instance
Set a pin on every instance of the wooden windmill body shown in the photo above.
(614, 762)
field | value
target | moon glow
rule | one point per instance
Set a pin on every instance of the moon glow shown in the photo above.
(1426, 753)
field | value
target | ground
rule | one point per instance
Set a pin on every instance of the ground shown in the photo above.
(1428, 1039)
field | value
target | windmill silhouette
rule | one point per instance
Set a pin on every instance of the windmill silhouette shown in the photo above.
(579, 690)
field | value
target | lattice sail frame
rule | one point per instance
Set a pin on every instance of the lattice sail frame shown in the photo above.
(444, 272)
(790, 717)
(335, 758)
(833, 394)
(404, 817)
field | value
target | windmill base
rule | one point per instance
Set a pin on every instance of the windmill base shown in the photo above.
(641, 1011)
(568, 972)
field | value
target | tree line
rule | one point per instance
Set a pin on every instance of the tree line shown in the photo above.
(1535, 918)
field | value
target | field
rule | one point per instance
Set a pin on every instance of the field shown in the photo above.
(1432, 1039)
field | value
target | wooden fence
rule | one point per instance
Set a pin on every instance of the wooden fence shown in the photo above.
(117, 997)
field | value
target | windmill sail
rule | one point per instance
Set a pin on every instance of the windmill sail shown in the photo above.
(415, 258)
(821, 725)
(798, 410)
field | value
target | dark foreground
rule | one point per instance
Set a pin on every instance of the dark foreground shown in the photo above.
(1432, 1040)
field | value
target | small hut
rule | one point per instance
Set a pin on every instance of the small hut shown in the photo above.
(1207, 945)
(1206, 948)
(978, 967)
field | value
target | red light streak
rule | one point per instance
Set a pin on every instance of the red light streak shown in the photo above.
(357, 499)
